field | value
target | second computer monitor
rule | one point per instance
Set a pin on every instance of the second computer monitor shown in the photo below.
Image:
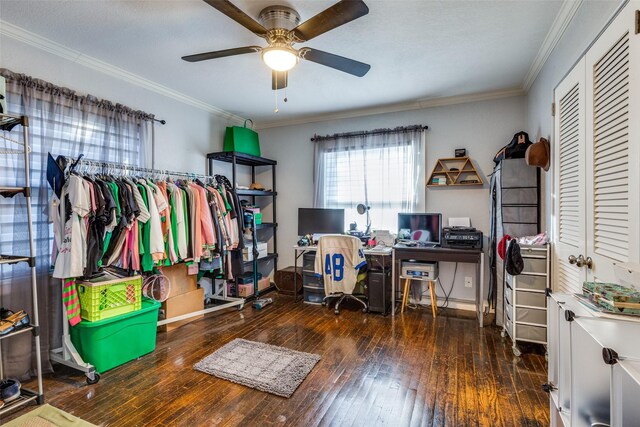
(424, 228)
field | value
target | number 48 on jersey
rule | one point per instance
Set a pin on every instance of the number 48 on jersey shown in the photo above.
(334, 266)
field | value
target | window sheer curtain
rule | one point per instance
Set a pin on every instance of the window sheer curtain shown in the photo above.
(64, 123)
(383, 170)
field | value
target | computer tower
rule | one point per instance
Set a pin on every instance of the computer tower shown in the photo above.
(379, 291)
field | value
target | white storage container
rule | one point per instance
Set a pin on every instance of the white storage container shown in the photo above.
(247, 252)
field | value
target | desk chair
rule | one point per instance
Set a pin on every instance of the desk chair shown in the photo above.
(432, 294)
(351, 269)
(361, 298)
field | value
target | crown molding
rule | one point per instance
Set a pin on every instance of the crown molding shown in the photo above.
(417, 104)
(20, 34)
(563, 19)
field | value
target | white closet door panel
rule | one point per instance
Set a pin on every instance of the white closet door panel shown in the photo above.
(569, 178)
(612, 147)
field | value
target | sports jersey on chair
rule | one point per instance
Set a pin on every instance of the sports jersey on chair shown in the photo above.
(338, 259)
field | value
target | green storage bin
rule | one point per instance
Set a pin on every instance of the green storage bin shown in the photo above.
(258, 218)
(242, 139)
(115, 341)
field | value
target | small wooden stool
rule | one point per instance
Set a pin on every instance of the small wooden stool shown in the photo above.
(432, 294)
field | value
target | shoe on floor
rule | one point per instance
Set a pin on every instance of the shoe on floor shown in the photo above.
(9, 390)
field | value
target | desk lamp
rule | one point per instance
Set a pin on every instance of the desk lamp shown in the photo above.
(361, 210)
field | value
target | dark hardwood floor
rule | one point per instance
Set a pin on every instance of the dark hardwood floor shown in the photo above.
(410, 370)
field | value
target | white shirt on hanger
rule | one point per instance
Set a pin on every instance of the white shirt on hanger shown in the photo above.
(72, 239)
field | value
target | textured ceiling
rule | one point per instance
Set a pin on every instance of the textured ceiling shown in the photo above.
(417, 49)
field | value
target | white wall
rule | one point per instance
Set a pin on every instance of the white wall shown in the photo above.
(181, 144)
(589, 20)
(480, 127)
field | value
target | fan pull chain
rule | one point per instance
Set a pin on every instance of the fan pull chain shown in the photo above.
(276, 91)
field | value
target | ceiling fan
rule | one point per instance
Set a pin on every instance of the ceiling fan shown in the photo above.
(280, 27)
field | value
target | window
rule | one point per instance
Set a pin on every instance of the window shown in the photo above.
(383, 172)
(63, 123)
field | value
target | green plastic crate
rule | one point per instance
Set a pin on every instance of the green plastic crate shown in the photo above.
(108, 297)
(118, 340)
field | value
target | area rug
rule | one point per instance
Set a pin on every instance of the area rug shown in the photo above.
(265, 367)
(48, 416)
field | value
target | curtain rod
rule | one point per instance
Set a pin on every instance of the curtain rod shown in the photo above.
(398, 129)
(43, 85)
(80, 161)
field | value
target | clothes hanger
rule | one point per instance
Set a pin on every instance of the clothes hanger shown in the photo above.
(14, 141)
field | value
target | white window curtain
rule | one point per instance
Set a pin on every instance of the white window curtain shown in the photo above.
(61, 122)
(383, 169)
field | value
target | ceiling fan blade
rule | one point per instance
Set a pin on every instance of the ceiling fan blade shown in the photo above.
(239, 16)
(279, 79)
(221, 53)
(341, 63)
(338, 14)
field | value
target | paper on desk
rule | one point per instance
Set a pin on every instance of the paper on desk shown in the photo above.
(383, 236)
(459, 222)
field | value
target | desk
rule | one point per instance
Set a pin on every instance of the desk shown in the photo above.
(369, 253)
(472, 256)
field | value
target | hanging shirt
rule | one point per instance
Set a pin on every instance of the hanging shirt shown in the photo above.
(196, 227)
(156, 242)
(71, 239)
(144, 215)
(178, 214)
(338, 259)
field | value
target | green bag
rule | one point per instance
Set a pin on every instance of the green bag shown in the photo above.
(242, 139)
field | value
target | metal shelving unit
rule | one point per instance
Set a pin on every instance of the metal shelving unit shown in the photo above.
(236, 158)
(8, 122)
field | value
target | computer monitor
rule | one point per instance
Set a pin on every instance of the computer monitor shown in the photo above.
(320, 221)
(424, 228)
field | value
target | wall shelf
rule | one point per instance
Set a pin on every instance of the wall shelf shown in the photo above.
(457, 171)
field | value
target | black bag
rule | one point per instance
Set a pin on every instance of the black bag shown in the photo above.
(55, 175)
(515, 149)
(513, 259)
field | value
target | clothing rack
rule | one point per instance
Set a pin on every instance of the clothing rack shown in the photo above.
(67, 354)
(107, 168)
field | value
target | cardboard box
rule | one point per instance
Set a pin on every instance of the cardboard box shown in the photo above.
(181, 281)
(182, 304)
(246, 290)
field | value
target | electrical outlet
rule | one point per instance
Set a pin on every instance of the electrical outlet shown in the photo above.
(468, 282)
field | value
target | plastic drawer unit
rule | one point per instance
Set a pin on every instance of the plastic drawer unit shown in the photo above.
(312, 285)
(525, 302)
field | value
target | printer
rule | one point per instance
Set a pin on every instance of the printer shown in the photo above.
(461, 238)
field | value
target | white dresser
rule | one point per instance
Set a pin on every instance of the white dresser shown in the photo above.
(594, 366)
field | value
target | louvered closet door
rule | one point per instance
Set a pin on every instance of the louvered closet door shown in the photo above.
(613, 148)
(569, 174)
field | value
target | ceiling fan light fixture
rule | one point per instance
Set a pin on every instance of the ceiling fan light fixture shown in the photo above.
(280, 58)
